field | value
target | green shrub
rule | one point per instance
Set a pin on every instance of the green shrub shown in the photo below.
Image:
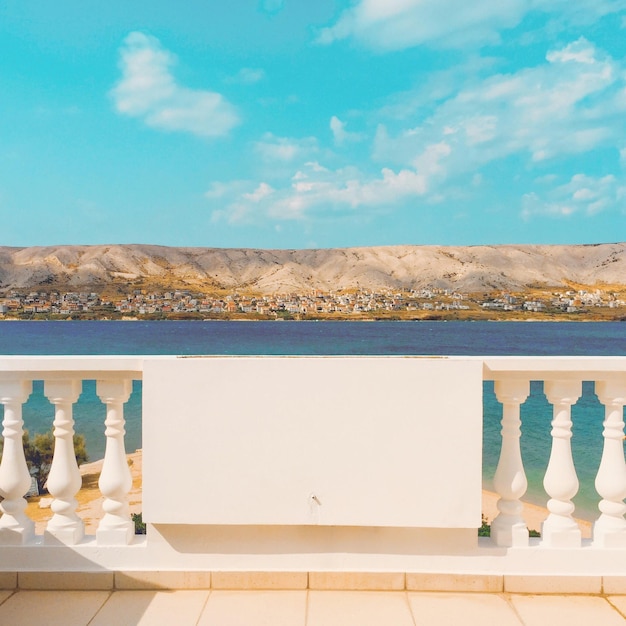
(140, 526)
(485, 529)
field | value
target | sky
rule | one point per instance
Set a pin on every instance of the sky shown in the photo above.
(301, 124)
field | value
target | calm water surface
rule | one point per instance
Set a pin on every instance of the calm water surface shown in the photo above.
(374, 338)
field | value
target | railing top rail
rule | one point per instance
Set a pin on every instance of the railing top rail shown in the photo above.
(494, 367)
(80, 366)
(549, 367)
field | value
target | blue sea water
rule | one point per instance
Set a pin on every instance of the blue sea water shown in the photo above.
(336, 338)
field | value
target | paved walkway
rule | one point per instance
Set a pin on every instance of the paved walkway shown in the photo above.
(304, 608)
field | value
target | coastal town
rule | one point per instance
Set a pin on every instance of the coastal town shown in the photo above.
(354, 305)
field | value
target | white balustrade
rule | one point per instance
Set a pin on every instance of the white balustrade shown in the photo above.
(179, 543)
(64, 479)
(509, 528)
(609, 530)
(15, 479)
(116, 527)
(560, 530)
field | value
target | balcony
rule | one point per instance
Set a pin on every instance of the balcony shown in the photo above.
(310, 473)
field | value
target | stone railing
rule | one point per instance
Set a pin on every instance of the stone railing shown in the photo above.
(63, 378)
(313, 464)
(563, 387)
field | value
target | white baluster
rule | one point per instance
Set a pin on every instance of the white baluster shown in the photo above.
(64, 480)
(116, 527)
(15, 480)
(509, 528)
(560, 530)
(609, 530)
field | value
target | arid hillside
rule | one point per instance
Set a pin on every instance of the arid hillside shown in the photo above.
(468, 269)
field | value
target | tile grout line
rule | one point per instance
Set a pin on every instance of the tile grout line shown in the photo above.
(206, 601)
(306, 604)
(100, 607)
(507, 598)
(13, 592)
(608, 599)
(408, 604)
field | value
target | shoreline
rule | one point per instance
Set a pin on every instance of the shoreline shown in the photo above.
(556, 319)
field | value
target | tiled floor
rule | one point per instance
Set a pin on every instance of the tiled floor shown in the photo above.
(304, 608)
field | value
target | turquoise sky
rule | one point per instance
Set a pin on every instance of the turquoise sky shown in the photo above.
(297, 123)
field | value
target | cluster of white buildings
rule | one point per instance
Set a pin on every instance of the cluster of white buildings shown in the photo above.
(568, 301)
(182, 302)
(53, 303)
(141, 302)
(291, 304)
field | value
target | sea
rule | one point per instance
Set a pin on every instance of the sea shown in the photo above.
(341, 338)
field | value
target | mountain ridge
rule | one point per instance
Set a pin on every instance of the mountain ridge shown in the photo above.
(512, 267)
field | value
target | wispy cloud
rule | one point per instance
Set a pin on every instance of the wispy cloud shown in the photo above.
(340, 134)
(285, 149)
(582, 194)
(247, 76)
(399, 24)
(315, 189)
(149, 91)
(567, 105)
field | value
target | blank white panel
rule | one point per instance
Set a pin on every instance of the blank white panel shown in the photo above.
(357, 441)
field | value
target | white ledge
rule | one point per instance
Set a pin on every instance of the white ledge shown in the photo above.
(540, 367)
(32, 367)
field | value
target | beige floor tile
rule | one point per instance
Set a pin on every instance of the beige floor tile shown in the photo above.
(469, 609)
(152, 608)
(4, 594)
(52, 608)
(255, 608)
(619, 602)
(358, 608)
(570, 610)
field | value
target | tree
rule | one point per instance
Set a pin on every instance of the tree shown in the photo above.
(40, 451)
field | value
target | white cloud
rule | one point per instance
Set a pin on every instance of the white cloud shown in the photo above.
(149, 91)
(562, 107)
(248, 76)
(582, 194)
(219, 189)
(568, 105)
(285, 149)
(399, 24)
(262, 191)
(314, 189)
(429, 162)
(578, 52)
(348, 188)
(340, 134)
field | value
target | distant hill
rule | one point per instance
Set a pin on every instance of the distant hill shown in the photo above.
(467, 268)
